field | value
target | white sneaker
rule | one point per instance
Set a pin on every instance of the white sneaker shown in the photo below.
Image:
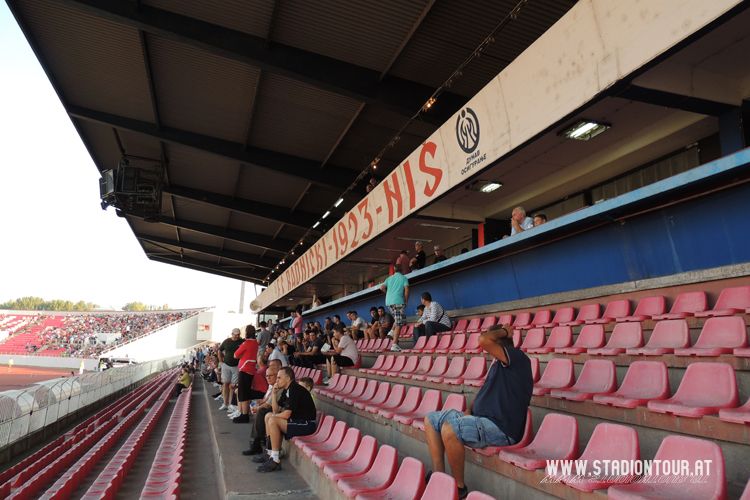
(395, 348)
(218, 398)
(222, 407)
(232, 409)
(234, 414)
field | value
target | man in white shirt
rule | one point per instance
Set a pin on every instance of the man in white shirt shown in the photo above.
(519, 222)
(358, 325)
(344, 354)
(278, 352)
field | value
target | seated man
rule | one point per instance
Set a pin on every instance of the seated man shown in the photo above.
(358, 326)
(297, 419)
(261, 408)
(342, 355)
(312, 355)
(386, 321)
(372, 331)
(498, 415)
(434, 318)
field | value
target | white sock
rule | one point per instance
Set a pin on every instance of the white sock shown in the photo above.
(275, 456)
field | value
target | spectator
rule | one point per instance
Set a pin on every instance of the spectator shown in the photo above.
(343, 355)
(373, 327)
(402, 262)
(420, 259)
(434, 319)
(396, 288)
(327, 326)
(358, 325)
(182, 383)
(313, 354)
(316, 302)
(439, 255)
(519, 222)
(279, 352)
(247, 356)
(261, 408)
(229, 371)
(497, 416)
(307, 383)
(297, 419)
(273, 326)
(264, 336)
(539, 219)
(297, 321)
(386, 321)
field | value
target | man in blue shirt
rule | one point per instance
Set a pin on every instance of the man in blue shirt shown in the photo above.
(498, 415)
(396, 288)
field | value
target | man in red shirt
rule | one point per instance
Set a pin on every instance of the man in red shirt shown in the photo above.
(247, 354)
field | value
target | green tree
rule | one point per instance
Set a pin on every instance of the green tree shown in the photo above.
(135, 306)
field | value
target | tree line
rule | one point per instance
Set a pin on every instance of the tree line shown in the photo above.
(40, 304)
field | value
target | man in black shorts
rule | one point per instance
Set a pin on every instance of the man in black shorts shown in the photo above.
(344, 354)
(298, 419)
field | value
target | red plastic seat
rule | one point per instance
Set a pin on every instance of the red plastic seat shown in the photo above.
(644, 381)
(559, 337)
(443, 344)
(439, 366)
(541, 317)
(534, 339)
(528, 435)
(343, 452)
(425, 363)
(375, 366)
(332, 384)
(408, 405)
(356, 389)
(746, 493)
(562, 315)
(557, 375)
(395, 396)
(359, 389)
(647, 308)
(367, 347)
(320, 435)
(613, 310)
(590, 337)
(556, 439)
(474, 325)
(460, 326)
(586, 313)
(739, 415)
(418, 345)
(456, 346)
(334, 441)
(487, 323)
(598, 376)
(455, 370)
(505, 319)
(673, 449)
(348, 388)
(686, 304)
(380, 397)
(516, 338)
(472, 344)
(478, 495)
(624, 336)
(534, 369)
(367, 394)
(441, 486)
(476, 370)
(522, 319)
(387, 365)
(705, 389)
(432, 343)
(431, 401)
(733, 300)
(742, 352)
(667, 336)
(452, 402)
(376, 478)
(358, 464)
(411, 365)
(397, 367)
(719, 335)
(407, 485)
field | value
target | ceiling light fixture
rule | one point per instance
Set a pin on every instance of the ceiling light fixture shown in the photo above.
(430, 102)
(328, 212)
(439, 226)
(314, 226)
(406, 238)
(339, 202)
(490, 187)
(584, 130)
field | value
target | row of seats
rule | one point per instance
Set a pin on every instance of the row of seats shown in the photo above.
(315, 374)
(361, 469)
(456, 372)
(373, 345)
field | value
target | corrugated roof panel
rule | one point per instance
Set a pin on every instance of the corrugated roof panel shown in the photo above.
(101, 139)
(250, 16)
(200, 170)
(360, 32)
(242, 247)
(267, 186)
(97, 63)
(202, 92)
(243, 222)
(201, 239)
(200, 212)
(140, 145)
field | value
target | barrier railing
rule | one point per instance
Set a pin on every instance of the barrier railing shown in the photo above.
(27, 410)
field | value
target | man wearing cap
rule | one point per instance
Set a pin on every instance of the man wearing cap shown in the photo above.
(229, 370)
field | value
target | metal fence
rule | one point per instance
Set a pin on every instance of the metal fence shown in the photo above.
(25, 411)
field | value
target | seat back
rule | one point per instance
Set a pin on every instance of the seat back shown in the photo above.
(441, 486)
(445, 342)
(516, 338)
(597, 375)
(726, 331)
(395, 397)
(325, 427)
(708, 384)
(389, 361)
(350, 443)
(337, 435)
(670, 333)
(425, 363)
(534, 338)
(456, 368)
(420, 343)
(384, 466)
(459, 341)
(617, 309)
(411, 401)
(737, 297)
(398, 366)
(378, 362)
(359, 344)
(487, 322)
(343, 379)
(474, 325)
(560, 336)
(528, 430)
(365, 455)
(359, 387)
(368, 345)
(557, 437)
(454, 402)
(476, 368)
(411, 364)
(650, 306)
(588, 311)
(378, 344)
(522, 319)
(369, 392)
(381, 394)
(612, 442)
(409, 480)
(439, 366)
(558, 373)
(534, 368)
(505, 319)
(432, 343)
(461, 325)
(349, 387)
(590, 337)
(713, 484)
(334, 380)
(564, 315)
(626, 335)
(542, 317)
(645, 380)
(472, 342)
(690, 302)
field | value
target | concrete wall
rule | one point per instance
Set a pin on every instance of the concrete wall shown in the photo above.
(48, 361)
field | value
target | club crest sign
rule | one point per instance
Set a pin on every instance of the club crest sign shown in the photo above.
(467, 130)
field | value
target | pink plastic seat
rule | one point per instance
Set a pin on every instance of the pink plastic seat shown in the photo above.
(586, 313)
(559, 337)
(348, 388)
(522, 319)
(742, 352)
(647, 308)
(557, 375)
(431, 401)
(478, 495)
(607, 442)
(590, 337)
(598, 376)
(441, 486)
(733, 300)
(487, 322)
(418, 345)
(667, 336)
(439, 366)
(342, 453)
(452, 402)
(474, 325)
(516, 338)
(411, 365)
(368, 345)
(534, 369)
(644, 381)
(377, 477)
(686, 304)
(356, 392)
(472, 344)
(393, 401)
(334, 441)
(456, 346)
(562, 315)
(397, 367)
(746, 493)
(705, 389)
(408, 405)
(624, 336)
(443, 344)
(366, 395)
(380, 397)
(542, 317)
(432, 343)
(534, 339)
(476, 370)
(556, 439)
(425, 363)
(528, 435)
(387, 365)
(720, 335)
(455, 370)
(613, 310)
(675, 448)
(505, 319)
(324, 430)
(460, 326)
(739, 415)
(407, 485)
(358, 464)
(336, 383)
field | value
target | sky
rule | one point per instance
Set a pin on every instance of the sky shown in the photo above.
(55, 240)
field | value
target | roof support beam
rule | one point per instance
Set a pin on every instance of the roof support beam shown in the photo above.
(675, 101)
(360, 83)
(207, 268)
(333, 177)
(245, 258)
(254, 208)
(258, 240)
